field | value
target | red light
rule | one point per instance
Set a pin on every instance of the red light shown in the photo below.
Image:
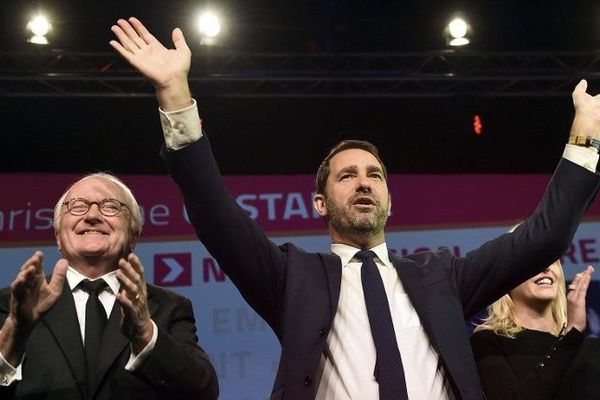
(477, 125)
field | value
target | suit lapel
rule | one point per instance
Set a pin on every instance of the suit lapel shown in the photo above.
(409, 276)
(63, 324)
(333, 269)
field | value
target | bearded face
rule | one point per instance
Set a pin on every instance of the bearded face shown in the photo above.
(362, 215)
(356, 201)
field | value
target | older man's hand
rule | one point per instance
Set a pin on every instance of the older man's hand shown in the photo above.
(31, 296)
(136, 324)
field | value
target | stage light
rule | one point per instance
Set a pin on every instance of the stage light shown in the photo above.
(456, 32)
(209, 26)
(39, 26)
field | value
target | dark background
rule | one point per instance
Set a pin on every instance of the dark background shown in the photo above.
(254, 136)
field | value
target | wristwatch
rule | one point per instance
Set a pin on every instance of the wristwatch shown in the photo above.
(586, 141)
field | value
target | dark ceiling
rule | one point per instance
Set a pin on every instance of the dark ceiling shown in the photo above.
(254, 135)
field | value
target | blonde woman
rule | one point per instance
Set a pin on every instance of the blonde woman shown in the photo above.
(530, 342)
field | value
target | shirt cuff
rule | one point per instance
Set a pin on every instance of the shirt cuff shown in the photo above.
(587, 157)
(135, 361)
(181, 127)
(8, 373)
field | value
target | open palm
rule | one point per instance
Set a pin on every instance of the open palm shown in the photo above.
(143, 51)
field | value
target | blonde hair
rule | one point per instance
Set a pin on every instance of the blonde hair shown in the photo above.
(501, 314)
(135, 222)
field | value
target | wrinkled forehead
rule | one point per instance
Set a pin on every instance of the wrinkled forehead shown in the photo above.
(95, 188)
(353, 158)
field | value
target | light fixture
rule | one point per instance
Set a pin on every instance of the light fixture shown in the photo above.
(39, 26)
(209, 27)
(456, 32)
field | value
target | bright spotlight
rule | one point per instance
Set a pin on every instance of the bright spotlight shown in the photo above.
(456, 32)
(208, 24)
(457, 28)
(39, 25)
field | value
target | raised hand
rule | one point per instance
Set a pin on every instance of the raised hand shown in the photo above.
(577, 290)
(31, 296)
(136, 324)
(587, 112)
(166, 68)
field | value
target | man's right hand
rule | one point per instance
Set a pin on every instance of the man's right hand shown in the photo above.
(167, 69)
(31, 296)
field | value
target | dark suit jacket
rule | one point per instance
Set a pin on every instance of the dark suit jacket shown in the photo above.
(297, 292)
(54, 365)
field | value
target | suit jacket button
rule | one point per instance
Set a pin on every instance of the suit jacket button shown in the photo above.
(322, 331)
(307, 381)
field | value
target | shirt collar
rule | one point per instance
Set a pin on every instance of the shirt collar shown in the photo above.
(346, 253)
(74, 278)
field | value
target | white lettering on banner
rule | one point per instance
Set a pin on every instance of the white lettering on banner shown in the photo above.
(40, 219)
(26, 219)
(251, 210)
(236, 320)
(582, 251)
(157, 216)
(158, 212)
(294, 205)
(271, 198)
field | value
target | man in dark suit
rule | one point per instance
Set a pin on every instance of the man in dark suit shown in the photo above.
(339, 339)
(56, 340)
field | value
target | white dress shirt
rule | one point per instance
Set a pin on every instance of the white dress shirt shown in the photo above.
(348, 360)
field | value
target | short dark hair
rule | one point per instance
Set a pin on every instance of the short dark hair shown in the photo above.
(324, 170)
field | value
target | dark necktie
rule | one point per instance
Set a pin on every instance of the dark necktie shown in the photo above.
(95, 321)
(388, 370)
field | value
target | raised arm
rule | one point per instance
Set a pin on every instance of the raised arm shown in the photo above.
(167, 69)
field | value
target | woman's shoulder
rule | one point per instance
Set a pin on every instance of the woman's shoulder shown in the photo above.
(487, 337)
(485, 342)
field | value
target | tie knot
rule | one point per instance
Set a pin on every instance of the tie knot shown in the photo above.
(365, 255)
(95, 287)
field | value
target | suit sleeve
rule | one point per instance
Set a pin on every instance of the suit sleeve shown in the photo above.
(541, 383)
(255, 265)
(492, 270)
(177, 367)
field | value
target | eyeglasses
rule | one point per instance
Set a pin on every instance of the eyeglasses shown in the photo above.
(107, 207)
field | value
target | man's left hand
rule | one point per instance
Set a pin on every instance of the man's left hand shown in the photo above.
(136, 324)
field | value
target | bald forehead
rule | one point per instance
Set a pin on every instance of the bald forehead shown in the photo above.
(97, 187)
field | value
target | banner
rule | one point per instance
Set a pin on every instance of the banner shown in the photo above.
(458, 212)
